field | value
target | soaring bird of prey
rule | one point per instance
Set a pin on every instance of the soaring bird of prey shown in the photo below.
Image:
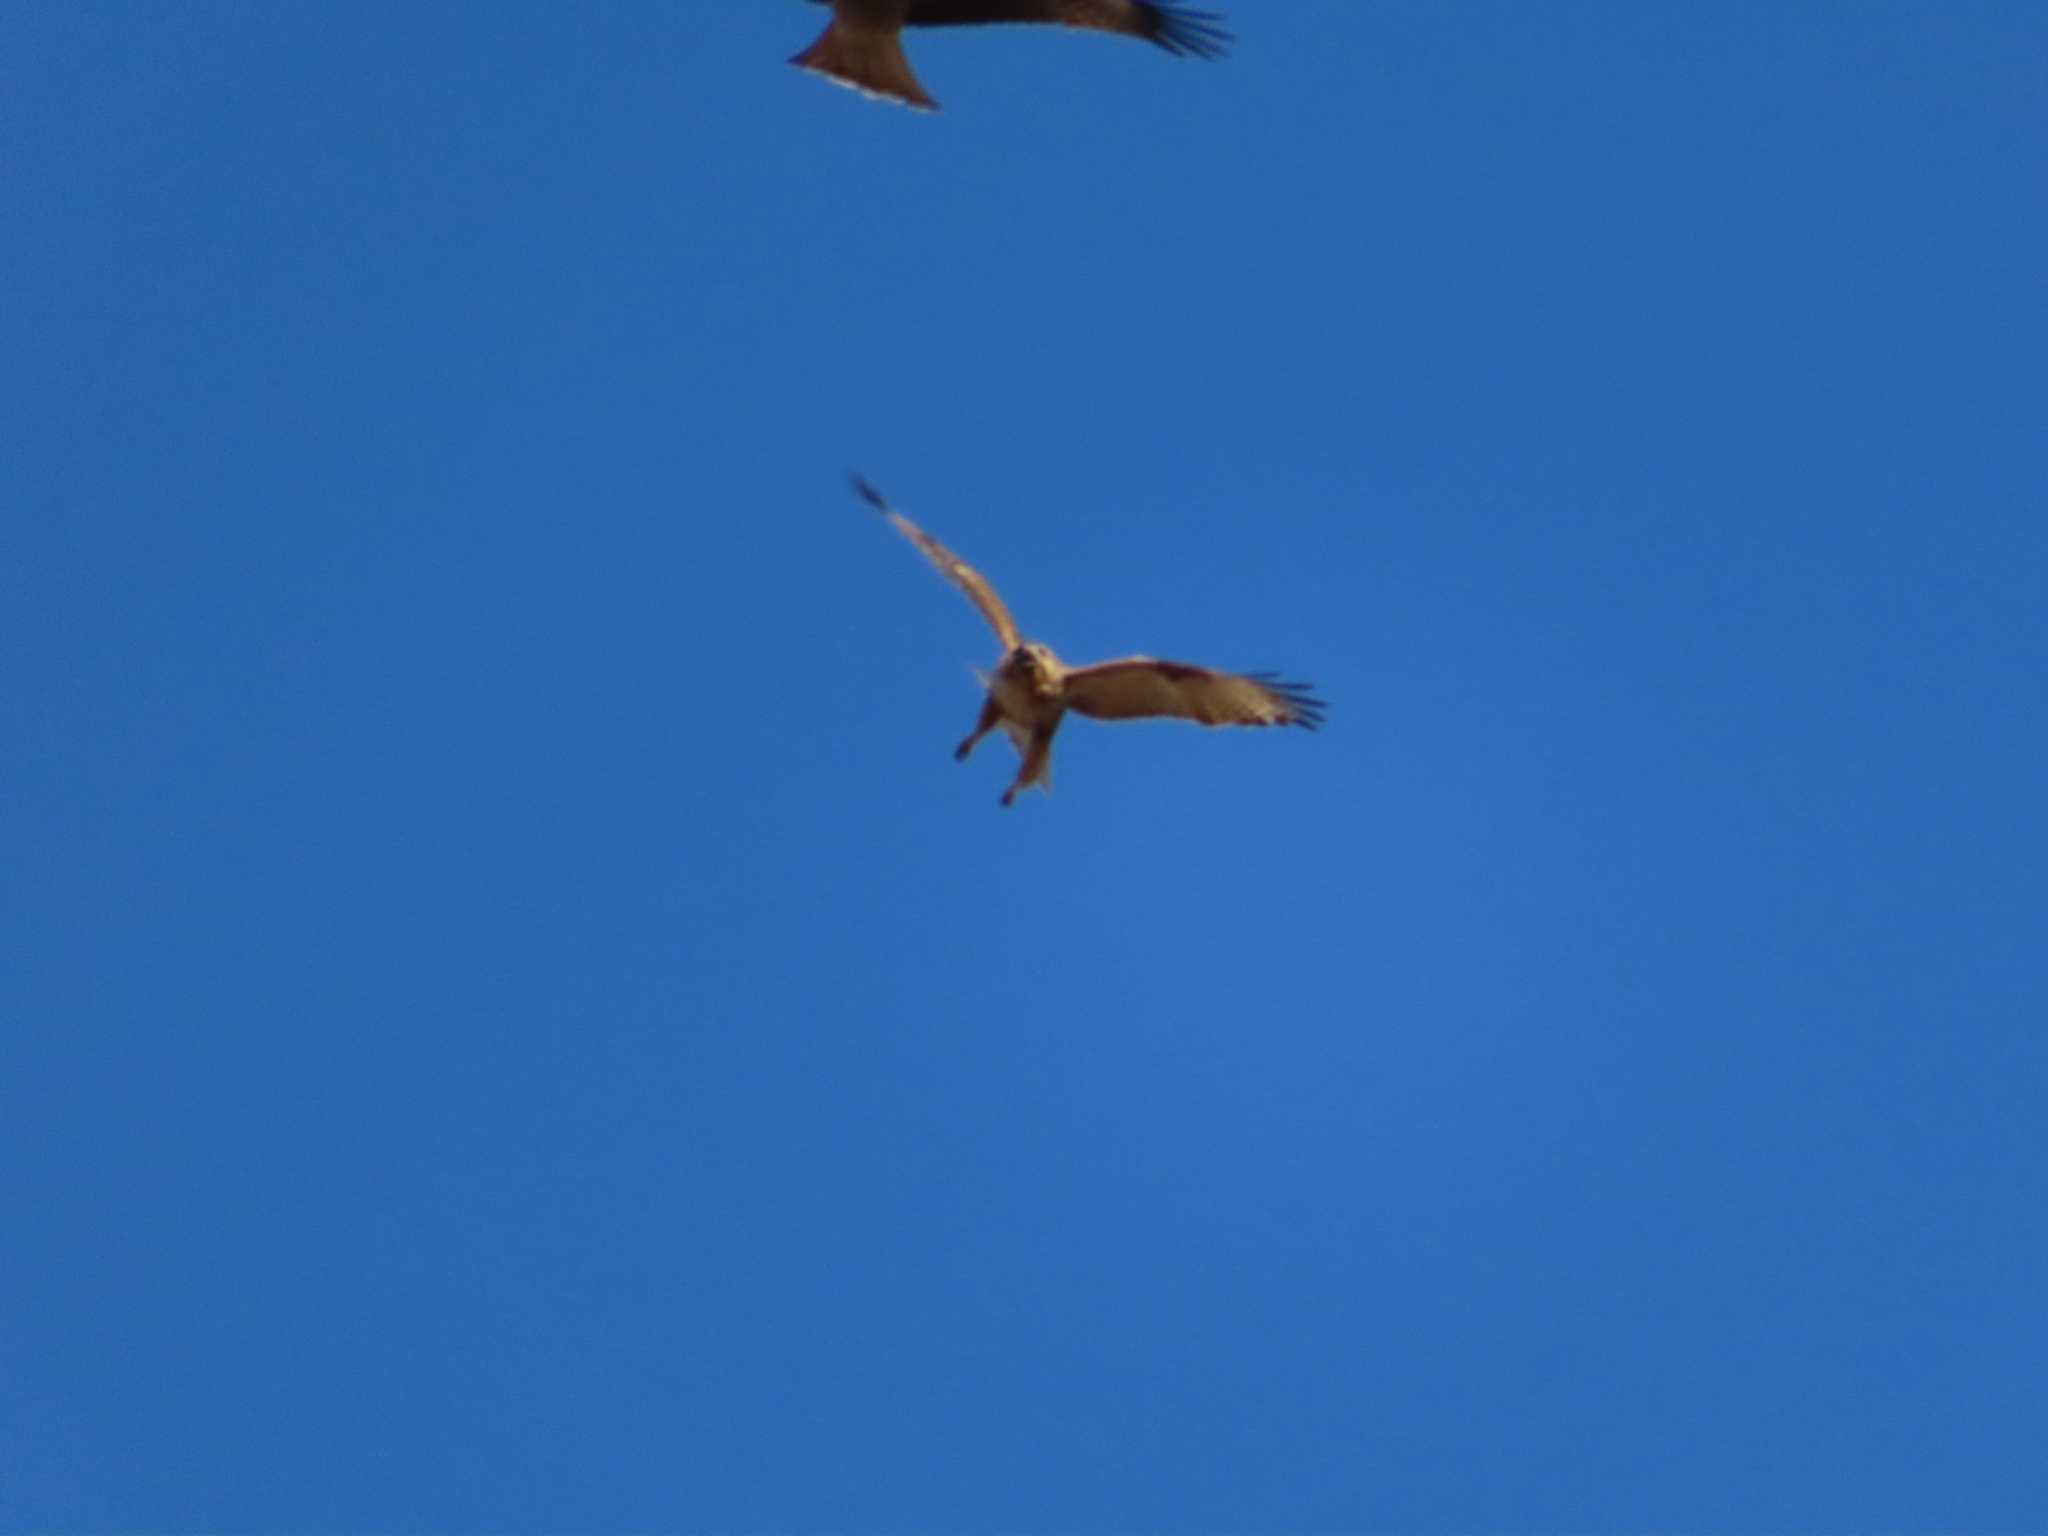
(862, 46)
(1032, 690)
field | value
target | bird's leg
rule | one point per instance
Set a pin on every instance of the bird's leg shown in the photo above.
(1037, 765)
(991, 717)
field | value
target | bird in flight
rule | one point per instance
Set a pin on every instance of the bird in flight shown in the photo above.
(862, 46)
(1032, 690)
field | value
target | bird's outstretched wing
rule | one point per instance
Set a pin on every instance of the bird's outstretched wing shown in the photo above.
(951, 566)
(1173, 27)
(1140, 686)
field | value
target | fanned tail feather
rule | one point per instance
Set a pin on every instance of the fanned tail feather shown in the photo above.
(871, 62)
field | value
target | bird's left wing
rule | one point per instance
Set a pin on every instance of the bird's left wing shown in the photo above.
(1173, 27)
(1140, 686)
(951, 566)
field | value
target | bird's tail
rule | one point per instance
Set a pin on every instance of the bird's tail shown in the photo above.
(868, 59)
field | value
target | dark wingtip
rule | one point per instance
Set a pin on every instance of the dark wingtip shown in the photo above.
(1195, 34)
(1307, 709)
(865, 490)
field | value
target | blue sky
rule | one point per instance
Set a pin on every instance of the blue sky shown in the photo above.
(511, 1021)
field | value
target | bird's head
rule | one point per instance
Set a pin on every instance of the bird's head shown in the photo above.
(1033, 665)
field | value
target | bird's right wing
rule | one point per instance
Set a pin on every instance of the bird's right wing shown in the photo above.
(951, 566)
(1138, 687)
(1172, 26)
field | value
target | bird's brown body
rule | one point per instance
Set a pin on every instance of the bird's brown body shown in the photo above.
(1027, 698)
